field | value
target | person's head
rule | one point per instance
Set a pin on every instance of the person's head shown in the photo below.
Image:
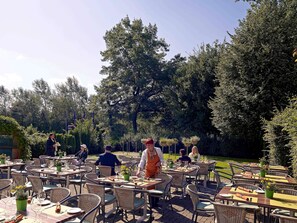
(52, 135)
(84, 147)
(195, 150)
(182, 152)
(108, 149)
(149, 144)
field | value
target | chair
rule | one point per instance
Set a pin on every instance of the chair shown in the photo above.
(80, 180)
(211, 167)
(92, 179)
(5, 186)
(237, 181)
(126, 200)
(59, 194)
(104, 171)
(92, 165)
(20, 179)
(162, 191)
(284, 219)
(87, 202)
(106, 199)
(236, 169)
(179, 181)
(220, 183)
(37, 161)
(289, 191)
(277, 173)
(203, 171)
(199, 206)
(193, 176)
(229, 214)
(37, 185)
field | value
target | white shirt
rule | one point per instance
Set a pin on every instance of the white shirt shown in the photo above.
(144, 157)
(191, 155)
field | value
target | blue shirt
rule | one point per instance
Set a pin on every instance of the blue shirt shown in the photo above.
(108, 159)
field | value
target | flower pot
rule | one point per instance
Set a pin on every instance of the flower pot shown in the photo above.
(2, 161)
(262, 163)
(21, 205)
(262, 173)
(269, 193)
(170, 165)
(59, 168)
(126, 177)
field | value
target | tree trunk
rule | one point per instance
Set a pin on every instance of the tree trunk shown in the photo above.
(134, 121)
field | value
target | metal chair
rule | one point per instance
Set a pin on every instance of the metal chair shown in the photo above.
(87, 202)
(79, 181)
(5, 187)
(220, 183)
(229, 214)
(199, 206)
(37, 185)
(284, 219)
(236, 169)
(179, 181)
(59, 194)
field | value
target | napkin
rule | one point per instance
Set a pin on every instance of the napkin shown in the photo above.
(245, 189)
(242, 196)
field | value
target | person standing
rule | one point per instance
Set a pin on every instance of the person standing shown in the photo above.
(108, 159)
(151, 160)
(51, 145)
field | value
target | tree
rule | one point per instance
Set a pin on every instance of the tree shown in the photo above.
(136, 72)
(256, 72)
(4, 101)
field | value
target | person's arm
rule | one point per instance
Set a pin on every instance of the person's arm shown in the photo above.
(142, 162)
(117, 161)
(98, 161)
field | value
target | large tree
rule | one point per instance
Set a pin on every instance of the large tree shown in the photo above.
(135, 72)
(256, 73)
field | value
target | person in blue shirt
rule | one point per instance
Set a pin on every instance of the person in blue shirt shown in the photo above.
(183, 157)
(108, 159)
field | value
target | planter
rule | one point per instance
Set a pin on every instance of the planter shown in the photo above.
(59, 168)
(126, 177)
(262, 173)
(21, 205)
(2, 161)
(269, 193)
(170, 165)
(262, 163)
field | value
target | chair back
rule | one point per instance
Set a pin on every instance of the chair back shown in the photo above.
(5, 186)
(229, 214)
(36, 161)
(178, 179)
(97, 189)
(237, 181)
(277, 173)
(59, 194)
(166, 184)
(236, 168)
(91, 178)
(105, 171)
(29, 168)
(36, 183)
(19, 179)
(92, 165)
(287, 191)
(203, 168)
(284, 219)
(248, 186)
(90, 204)
(193, 193)
(125, 197)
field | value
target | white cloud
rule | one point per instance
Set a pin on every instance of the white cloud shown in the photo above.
(11, 80)
(20, 57)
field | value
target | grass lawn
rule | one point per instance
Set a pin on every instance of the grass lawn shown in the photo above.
(222, 162)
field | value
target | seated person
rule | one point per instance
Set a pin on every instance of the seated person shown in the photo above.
(81, 155)
(108, 159)
(195, 155)
(183, 157)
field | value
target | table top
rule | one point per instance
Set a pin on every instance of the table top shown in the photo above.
(11, 164)
(185, 170)
(53, 171)
(275, 178)
(134, 181)
(271, 167)
(46, 213)
(60, 158)
(283, 201)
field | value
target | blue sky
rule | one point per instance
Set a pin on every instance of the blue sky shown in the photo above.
(55, 39)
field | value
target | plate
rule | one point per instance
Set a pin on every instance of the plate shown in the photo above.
(134, 177)
(45, 202)
(158, 179)
(73, 210)
(2, 218)
(226, 195)
(260, 191)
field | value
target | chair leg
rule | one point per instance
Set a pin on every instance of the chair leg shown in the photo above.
(196, 217)
(114, 217)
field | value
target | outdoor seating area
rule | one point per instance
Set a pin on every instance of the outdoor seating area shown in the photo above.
(105, 198)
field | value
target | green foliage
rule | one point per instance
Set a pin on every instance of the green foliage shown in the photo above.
(9, 126)
(37, 143)
(256, 73)
(281, 135)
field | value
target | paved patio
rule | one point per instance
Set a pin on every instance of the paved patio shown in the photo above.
(182, 210)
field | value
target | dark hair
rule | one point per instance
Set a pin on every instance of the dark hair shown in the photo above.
(109, 148)
(183, 152)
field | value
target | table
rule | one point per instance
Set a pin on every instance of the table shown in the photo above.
(64, 173)
(134, 182)
(8, 165)
(276, 179)
(271, 167)
(64, 158)
(184, 170)
(282, 201)
(46, 214)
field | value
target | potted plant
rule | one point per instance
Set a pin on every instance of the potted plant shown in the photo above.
(170, 163)
(21, 197)
(2, 158)
(269, 187)
(263, 170)
(263, 161)
(59, 165)
(126, 171)
(60, 153)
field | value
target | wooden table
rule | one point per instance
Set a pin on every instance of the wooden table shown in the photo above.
(257, 178)
(134, 182)
(282, 201)
(45, 214)
(271, 167)
(64, 173)
(184, 170)
(8, 165)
